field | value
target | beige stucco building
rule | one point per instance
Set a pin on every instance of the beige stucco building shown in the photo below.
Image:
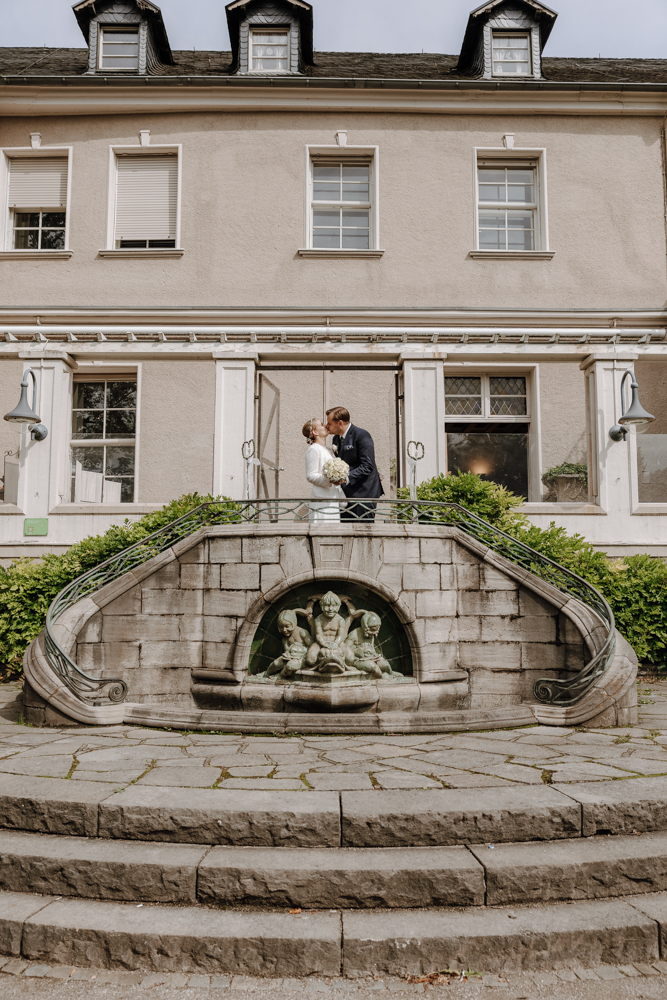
(204, 249)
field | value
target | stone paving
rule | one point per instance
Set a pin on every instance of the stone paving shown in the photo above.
(124, 755)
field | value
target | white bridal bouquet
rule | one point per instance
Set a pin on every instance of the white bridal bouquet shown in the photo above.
(336, 470)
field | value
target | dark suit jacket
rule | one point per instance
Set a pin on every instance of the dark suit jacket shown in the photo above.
(358, 451)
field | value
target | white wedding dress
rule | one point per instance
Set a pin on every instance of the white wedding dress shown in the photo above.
(323, 491)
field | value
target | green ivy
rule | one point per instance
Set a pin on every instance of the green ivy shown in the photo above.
(28, 586)
(567, 469)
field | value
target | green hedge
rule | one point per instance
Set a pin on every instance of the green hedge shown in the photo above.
(28, 586)
(635, 587)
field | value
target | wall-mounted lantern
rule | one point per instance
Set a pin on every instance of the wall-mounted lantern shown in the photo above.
(24, 414)
(635, 415)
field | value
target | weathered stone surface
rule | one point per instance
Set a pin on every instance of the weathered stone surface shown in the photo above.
(100, 869)
(203, 816)
(15, 908)
(324, 879)
(574, 869)
(654, 906)
(47, 805)
(591, 933)
(225, 550)
(621, 806)
(456, 816)
(184, 939)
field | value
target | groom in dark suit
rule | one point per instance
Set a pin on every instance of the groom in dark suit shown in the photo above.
(355, 446)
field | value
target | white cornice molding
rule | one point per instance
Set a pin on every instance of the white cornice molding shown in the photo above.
(32, 99)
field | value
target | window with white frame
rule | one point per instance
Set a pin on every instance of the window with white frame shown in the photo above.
(507, 205)
(146, 201)
(269, 50)
(119, 49)
(341, 205)
(511, 53)
(37, 203)
(487, 424)
(104, 416)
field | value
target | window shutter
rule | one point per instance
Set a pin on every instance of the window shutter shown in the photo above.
(38, 182)
(146, 198)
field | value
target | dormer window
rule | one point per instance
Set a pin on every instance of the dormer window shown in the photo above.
(119, 49)
(511, 54)
(270, 50)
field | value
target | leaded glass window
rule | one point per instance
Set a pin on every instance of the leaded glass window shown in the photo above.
(104, 413)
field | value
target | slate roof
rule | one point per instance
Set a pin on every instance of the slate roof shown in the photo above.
(50, 62)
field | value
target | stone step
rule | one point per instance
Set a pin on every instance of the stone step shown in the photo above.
(334, 878)
(162, 938)
(380, 818)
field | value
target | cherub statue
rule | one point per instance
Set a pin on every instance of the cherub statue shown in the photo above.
(329, 634)
(360, 651)
(296, 641)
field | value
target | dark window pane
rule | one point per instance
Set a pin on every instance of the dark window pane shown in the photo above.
(133, 244)
(26, 239)
(500, 458)
(26, 219)
(460, 385)
(162, 244)
(88, 396)
(121, 395)
(120, 462)
(53, 239)
(88, 424)
(507, 386)
(120, 423)
(90, 459)
(53, 219)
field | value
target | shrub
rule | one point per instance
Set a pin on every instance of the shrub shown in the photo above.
(494, 503)
(567, 469)
(28, 586)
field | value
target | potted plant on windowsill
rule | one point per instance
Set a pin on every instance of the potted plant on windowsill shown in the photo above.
(567, 483)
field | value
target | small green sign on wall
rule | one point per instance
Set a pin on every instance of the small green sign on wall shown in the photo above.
(36, 526)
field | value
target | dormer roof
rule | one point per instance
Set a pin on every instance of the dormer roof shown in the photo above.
(504, 15)
(91, 13)
(297, 13)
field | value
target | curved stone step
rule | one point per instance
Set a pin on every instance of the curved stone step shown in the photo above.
(381, 818)
(164, 938)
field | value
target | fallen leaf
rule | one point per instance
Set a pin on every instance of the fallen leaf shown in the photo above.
(295, 911)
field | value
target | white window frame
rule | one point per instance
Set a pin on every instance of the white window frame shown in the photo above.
(112, 192)
(269, 29)
(340, 154)
(519, 33)
(531, 417)
(508, 156)
(6, 226)
(118, 28)
(101, 371)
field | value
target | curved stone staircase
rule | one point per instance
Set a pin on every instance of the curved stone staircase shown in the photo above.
(321, 883)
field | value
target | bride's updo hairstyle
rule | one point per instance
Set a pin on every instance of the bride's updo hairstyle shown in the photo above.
(307, 430)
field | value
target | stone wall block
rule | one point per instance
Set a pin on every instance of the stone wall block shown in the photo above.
(391, 577)
(501, 656)
(538, 656)
(244, 576)
(225, 550)
(435, 550)
(261, 550)
(192, 576)
(367, 556)
(445, 697)
(137, 628)
(227, 602)
(402, 550)
(167, 578)
(90, 657)
(467, 576)
(492, 579)
(437, 660)
(107, 657)
(270, 576)
(409, 599)
(185, 655)
(574, 656)
(128, 603)
(191, 627)
(191, 554)
(448, 576)
(436, 603)
(441, 630)
(469, 628)
(218, 656)
(506, 684)
(164, 681)
(92, 630)
(568, 631)
(397, 697)
(539, 629)
(220, 629)
(147, 569)
(500, 629)
(531, 604)
(173, 602)
(488, 602)
(462, 556)
(421, 577)
(295, 555)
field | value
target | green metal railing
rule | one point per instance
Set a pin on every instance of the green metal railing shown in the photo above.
(553, 691)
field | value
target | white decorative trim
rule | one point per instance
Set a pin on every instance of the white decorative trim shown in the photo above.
(304, 252)
(512, 254)
(141, 253)
(35, 254)
(104, 508)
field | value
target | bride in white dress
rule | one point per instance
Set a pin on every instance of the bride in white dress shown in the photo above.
(323, 490)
